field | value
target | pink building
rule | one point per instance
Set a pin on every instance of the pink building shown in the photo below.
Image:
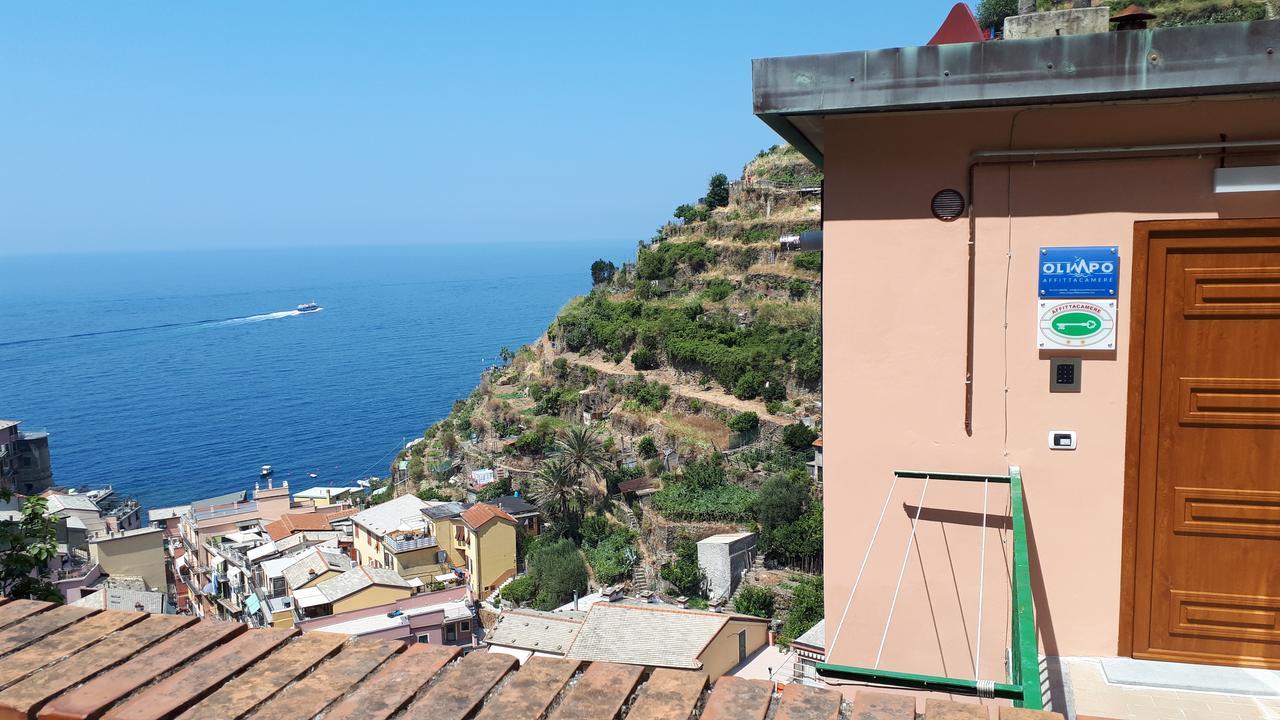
(445, 617)
(1144, 411)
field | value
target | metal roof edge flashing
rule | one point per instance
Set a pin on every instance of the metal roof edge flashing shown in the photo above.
(1199, 60)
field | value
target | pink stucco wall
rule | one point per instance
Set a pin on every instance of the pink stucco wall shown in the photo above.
(894, 358)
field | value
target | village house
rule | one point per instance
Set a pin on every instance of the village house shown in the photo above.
(665, 636)
(444, 617)
(525, 513)
(438, 541)
(524, 633)
(325, 496)
(356, 589)
(1049, 262)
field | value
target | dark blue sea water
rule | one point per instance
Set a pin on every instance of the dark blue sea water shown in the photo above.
(175, 375)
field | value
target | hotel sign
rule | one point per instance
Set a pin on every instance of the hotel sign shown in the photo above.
(1077, 325)
(1079, 272)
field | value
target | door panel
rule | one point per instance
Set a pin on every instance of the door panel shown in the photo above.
(1207, 566)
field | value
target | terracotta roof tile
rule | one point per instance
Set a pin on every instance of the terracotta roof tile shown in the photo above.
(61, 664)
(734, 698)
(668, 695)
(600, 693)
(461, 688)
(25, 697)
(803, 702)
(479, 514)
(15, 610)
(266, 677)
(101, 692)
(395, 684)
(22, 663)
(199, 678)
(884, 706)
(23, 633)
(531, 691)
(333, 679)
(291, 523)
(935, 709)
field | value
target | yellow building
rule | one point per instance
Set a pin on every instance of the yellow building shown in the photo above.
(486, 536)
(424, 540)
(355, 589)
(134, 553)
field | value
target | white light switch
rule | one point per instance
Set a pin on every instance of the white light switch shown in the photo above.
(1062, 439)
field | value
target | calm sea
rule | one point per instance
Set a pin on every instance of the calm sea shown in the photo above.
(175, 375)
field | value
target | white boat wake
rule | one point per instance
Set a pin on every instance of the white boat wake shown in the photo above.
(265, 316)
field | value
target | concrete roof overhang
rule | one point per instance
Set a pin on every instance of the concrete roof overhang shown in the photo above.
(793, 94)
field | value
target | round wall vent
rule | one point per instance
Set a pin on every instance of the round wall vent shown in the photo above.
(947, 205)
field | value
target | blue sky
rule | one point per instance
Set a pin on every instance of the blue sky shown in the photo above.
(192, 125)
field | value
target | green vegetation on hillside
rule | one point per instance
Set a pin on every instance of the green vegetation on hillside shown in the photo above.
(692, 337)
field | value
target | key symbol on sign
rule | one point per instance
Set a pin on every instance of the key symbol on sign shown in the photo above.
(1087, 324)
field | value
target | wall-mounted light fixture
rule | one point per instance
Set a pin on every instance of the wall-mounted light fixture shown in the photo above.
(1259, 178)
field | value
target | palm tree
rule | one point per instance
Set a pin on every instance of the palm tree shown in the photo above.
(581, 449)
(556, 490)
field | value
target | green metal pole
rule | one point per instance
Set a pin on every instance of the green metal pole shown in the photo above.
(962, 477)
(1026, 655)
(915, 681)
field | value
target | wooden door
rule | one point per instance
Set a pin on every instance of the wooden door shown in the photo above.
(1204, 467)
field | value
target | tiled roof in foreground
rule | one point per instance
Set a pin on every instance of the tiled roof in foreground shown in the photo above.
(64, 662)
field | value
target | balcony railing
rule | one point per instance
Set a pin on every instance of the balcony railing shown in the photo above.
(399, 545)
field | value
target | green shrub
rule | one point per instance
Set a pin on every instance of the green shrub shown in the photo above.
(798, 288)
(703, 494)
(805, 611)
(799, 436)
(744, 422)
(991, 13)
(755, 600)
(602, 271)
(652, 395)
(773, 407)
(717, 289)
(717, 191)
(683, 572)
(609, 548)
(647, 447)
(661, 263)
(749, 385)
(521, 590)
(774, 390)
(644, 359)
(811, 261)
(431, 493)
(558, 571)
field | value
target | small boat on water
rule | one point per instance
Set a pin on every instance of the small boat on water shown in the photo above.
(308, 307)
(266, 470)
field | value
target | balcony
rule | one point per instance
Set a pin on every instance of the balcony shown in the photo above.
(405, 544)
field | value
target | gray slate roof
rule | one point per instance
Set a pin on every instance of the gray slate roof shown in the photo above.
(313, 563)
(357, 579)
(514, 506)
(535, 630)
(227, 499)
(646, 635)
(385, 517)
(121, 599)
(815, 636)
(445, 510)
